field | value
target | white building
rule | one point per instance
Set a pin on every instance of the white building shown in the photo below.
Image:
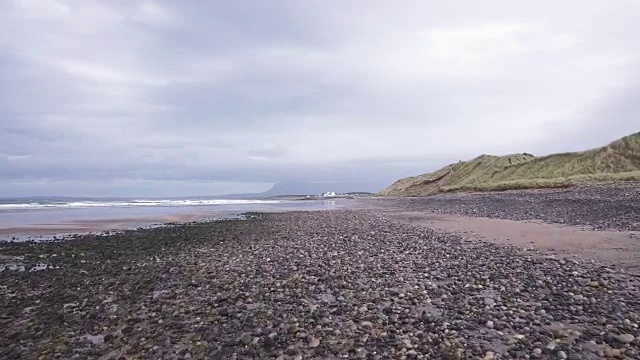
(328, 194)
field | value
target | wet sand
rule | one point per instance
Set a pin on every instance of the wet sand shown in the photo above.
(78, 227)
(43, 224)
(599, 222)
(615, 248)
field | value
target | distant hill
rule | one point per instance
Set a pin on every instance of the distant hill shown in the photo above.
(303, 188)
(617, 161)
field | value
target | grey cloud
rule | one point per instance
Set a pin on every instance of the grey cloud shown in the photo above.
(127, 96)
(269, 151)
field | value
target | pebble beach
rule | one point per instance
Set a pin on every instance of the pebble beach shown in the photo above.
(324, 285)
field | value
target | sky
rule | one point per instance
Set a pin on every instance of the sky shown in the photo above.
(176, 98)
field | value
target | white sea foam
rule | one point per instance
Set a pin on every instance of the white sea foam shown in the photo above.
(133, 203)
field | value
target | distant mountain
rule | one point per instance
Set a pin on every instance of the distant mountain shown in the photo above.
(620, 160)
(303, 188)
(292, 188)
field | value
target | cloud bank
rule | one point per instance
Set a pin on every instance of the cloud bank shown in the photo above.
(164, 98)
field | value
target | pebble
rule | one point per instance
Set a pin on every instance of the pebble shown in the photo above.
(490, 324)
(489, 355)
(366, 324)
(489, 301)
(314, 342)
(625, 338)
(613, 353)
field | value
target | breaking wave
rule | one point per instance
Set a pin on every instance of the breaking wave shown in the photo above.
(130, 203)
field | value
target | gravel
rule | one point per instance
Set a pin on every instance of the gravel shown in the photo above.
(312, 285)
(600, 207)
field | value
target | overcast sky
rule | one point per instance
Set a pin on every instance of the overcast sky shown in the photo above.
(169, 98)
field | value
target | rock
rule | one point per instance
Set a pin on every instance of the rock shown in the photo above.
(489, 355)
(314, 342)
(95, 339)
(245, 339)
(223, 312)
(361, 353)
(366, 324)
(489, 301)
(537, 352)
(594, 284)
(613, 353)
(489, 324)
(292, 350)
(561, 355)
(625, 338)
(551, 346)
(559, 332)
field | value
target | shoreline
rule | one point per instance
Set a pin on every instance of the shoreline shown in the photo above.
(42, 225)
(79, 228)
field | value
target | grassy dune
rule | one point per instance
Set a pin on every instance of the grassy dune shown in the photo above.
(618, 161)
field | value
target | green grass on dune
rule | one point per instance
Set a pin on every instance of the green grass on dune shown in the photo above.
(546, 183)
(618, 161)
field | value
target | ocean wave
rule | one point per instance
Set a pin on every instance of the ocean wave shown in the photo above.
(133, 203)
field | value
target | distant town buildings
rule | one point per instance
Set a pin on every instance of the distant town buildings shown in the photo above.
(328, 194)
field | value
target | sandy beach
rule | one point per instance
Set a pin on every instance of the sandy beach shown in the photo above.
(494, 276)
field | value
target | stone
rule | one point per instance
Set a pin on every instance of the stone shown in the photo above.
(489, 324)
(245, 339)
(537, 352)
(625, 338)
(562, 355)
(292, 350)
(95, 339)
(314, 342)
(489, 301)
(559, 332)
(366, 324)
(613, 353)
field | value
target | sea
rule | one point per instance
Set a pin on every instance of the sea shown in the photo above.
(30, 218)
